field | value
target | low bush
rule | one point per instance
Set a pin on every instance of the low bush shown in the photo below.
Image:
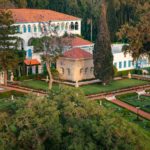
(126, 95)
(35, 77)
(9, 93)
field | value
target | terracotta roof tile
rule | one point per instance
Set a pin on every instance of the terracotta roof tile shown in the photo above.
(77, 53)
(39, 15)
(77, 41)
(31, 62)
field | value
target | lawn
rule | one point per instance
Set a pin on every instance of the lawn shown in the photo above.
(143, 102)
(126, 114)
(115, 85)
(88, 89)
(37, 84)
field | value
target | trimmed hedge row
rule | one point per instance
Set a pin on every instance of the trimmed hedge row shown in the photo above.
(9, 93)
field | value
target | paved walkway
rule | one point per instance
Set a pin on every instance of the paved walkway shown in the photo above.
(141, 77)
(22, 90)
(131, 108)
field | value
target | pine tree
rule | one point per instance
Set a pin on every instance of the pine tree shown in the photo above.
(8, 43)
(103, 58)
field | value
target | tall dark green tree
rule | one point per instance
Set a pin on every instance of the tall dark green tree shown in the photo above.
(8, 43)
(103, 58)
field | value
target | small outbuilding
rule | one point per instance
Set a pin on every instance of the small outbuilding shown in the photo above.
(76, 65)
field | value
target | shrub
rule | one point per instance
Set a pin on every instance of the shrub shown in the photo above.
(9, 93)
(126, 95)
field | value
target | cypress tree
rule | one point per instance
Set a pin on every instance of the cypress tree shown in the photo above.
(103, 58)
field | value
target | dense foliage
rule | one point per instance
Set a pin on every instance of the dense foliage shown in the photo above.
(9, 56)
(119, 11)
(137, 33)
(66, 120)
(102, 54)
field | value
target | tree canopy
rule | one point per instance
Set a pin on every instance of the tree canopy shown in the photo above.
(137, 33)
(65, 119)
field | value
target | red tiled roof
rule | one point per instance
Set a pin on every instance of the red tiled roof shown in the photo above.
(77, 41)
(31, 62)
(39, 15)
(77, 53)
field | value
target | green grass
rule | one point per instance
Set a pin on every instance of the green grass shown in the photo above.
(132, 99)
(126, 114)
(37, 85)
(115, 85)
(88, 89)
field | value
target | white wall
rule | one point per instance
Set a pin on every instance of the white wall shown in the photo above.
(121, 58)
(26, 36)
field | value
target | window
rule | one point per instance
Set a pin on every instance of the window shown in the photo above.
(35, 29)
(86, 70)
(115, 64)
(66, 26)
(120, 65)
(58, 26)
(39, 28)
(76, 26)
(129, 63)
(125, 64)
(68, 70)
(29, 53)
(18, 29)
(62, 71)
(29, 28)
(92, 69)
(81, 70)
(24, 29)
(62, 26)
(72, 26)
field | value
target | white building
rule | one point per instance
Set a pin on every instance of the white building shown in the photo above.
(125, 61)
(35, 23)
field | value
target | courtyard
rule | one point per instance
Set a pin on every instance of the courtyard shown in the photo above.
(144, 123)
(143, 102)
(88, 89)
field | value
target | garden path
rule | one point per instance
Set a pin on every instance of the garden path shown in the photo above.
(133, 109)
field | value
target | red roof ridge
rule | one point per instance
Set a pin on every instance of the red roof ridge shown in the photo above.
(78, 41)
(77, 53)
(34, 15)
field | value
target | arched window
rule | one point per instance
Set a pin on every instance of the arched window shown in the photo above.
(39, 28)
(68, 70)
(58, 26)
(18, 29)
(76, 26)
(72, 26)
(66, 26)
(62, 26)
(86, 70)
(29, 28)
(35, 29)
(81, 70)
(24, 29)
